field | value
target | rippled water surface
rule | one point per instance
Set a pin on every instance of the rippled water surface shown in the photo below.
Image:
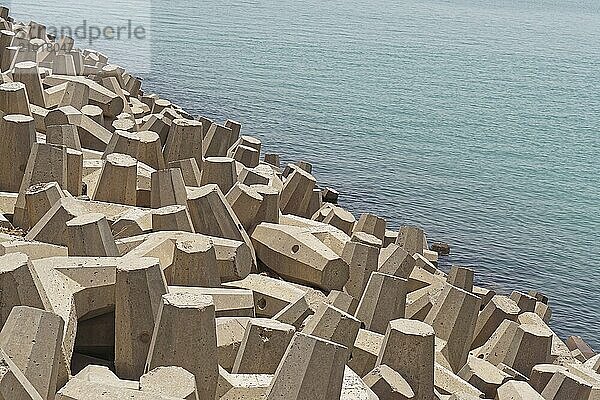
(480, 122)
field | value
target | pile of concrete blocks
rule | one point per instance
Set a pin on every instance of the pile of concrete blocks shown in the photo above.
(147, 254)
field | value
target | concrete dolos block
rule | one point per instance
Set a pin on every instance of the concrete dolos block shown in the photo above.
(295, 254)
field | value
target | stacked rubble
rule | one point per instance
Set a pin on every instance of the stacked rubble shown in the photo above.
(163, 260)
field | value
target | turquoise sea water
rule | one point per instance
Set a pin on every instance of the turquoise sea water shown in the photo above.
(479, 122)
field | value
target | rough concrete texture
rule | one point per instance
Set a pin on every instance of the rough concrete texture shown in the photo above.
(138, 287)
(263, 346)
(516, 390)
(170, 382)
(383, 300)
(13, 383)
(334, 325)
(408, 348)
(388, 384)
(185, 336)
(453, 318)
(497, 310)
(19, 285)
(312, 368)
(32, 339)
(163, 260)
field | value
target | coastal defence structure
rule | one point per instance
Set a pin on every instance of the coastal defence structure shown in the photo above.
(149, 254)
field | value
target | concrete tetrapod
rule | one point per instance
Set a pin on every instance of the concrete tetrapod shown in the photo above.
(372, 224)
(120, 168)
(185, 336)
(170, 382)
(264, 344)
(408, 348)
(483, 375)
(567, 386)
(492, 315)
(46, 163)
(14, 99)
(139, 286)
(245, 202)
(32, 339)
(212, 215)
(184, 141)
(90, 235)
(332, 324)
(13, 383)
(367, 347)
(172, 218)
(520, 347)
(150, 151)
(19, 285)
(217, 140)
(312, 369)
(395, 260)
(18, 136)
(40, 198)
(63, 135)
(190, 170)
(517, 390)
(194, 263)
(453, 318)
(297, 192)
(220, 171)
(411, 239)
(28, 73)
(362, 262)
(168, 188)
(383, 300)
(123, 142)
(388, 384)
